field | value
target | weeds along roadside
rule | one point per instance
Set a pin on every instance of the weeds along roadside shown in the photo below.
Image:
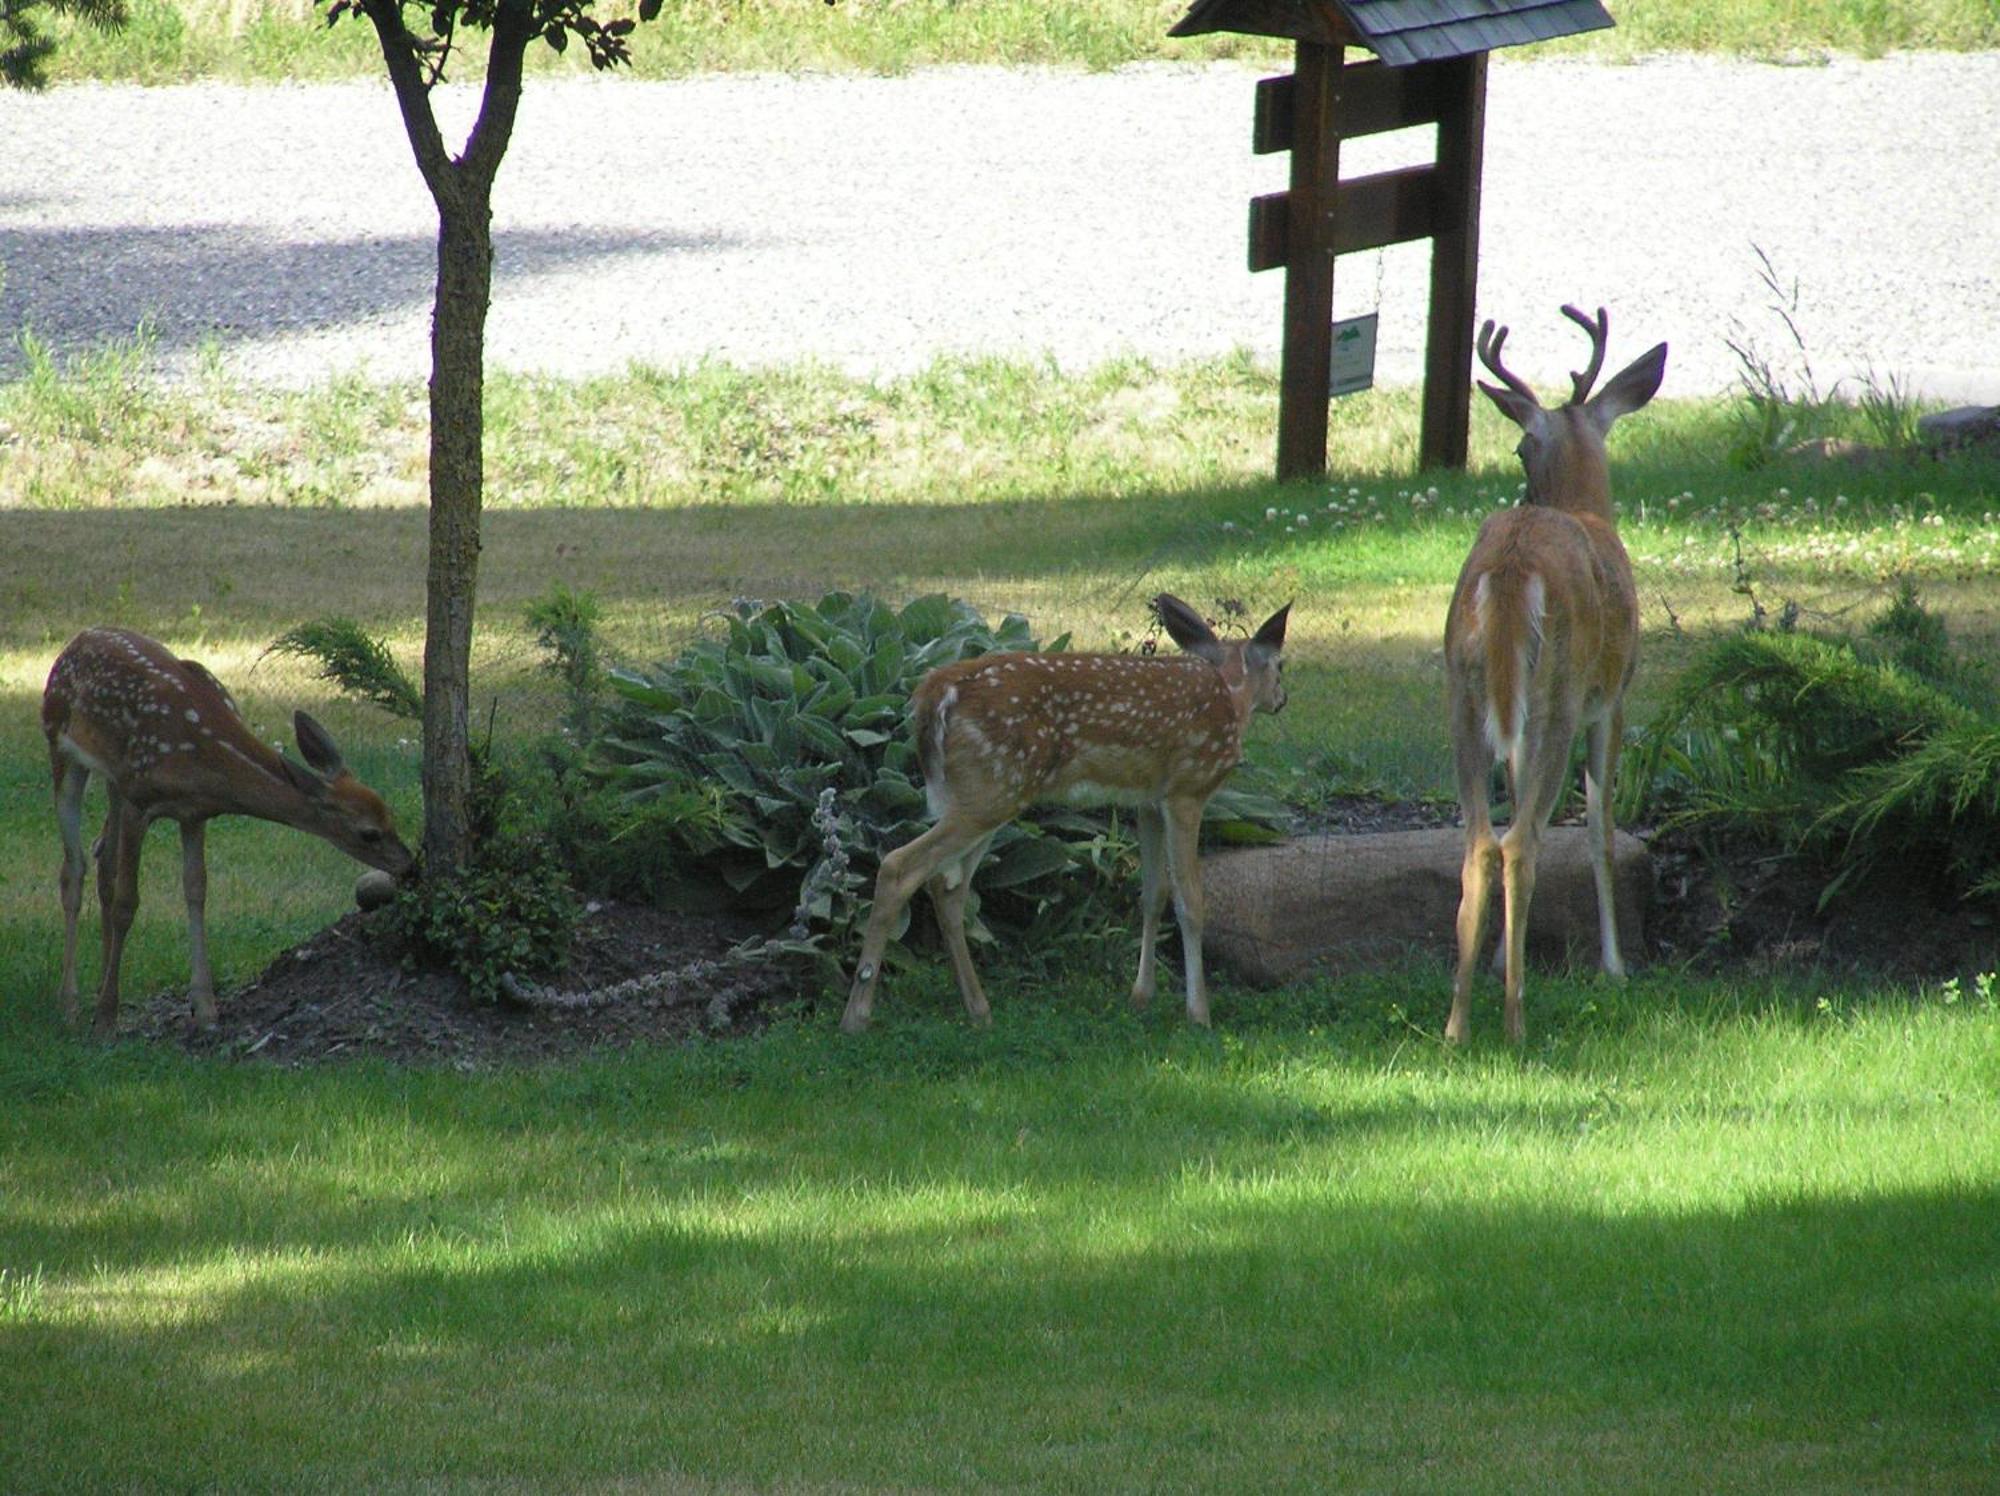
(272, 42)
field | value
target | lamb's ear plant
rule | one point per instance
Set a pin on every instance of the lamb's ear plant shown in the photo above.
(795, 714)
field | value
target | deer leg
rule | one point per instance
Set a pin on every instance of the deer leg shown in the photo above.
(1475, 898)
(1150, 823)
(1183, 818)
(1474, 765)
(194, 886)
(904, 871)
(118, 893)
(949, 890)
(1539, 781)
(1599, 776)
(71, 780)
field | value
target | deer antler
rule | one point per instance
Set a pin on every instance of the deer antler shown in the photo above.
(1490, 343)
(1599, 331)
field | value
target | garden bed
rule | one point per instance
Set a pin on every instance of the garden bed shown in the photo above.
(346, 993)
(640, 975)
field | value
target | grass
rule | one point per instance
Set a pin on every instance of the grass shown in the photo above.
(1703, 1235)
(266, 40)
(1680, 1248)
(1067, 496)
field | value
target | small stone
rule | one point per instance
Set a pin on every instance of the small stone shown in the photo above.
(1968, 425)
(373, 889)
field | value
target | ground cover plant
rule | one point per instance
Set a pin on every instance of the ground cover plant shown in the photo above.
(174, 40)
(1711, 1230)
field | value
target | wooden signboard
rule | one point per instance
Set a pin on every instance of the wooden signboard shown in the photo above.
(1430, 70)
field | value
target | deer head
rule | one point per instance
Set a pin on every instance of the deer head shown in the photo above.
(1562, 450)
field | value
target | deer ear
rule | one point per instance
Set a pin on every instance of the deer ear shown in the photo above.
(318, 746)
(301, 778)
(1629, 389)
(1522, 410)
(1185, 626)
(1272, 634)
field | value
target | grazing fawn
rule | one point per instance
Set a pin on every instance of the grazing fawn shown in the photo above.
(1541, 640)
(998, 733)
(170, 744)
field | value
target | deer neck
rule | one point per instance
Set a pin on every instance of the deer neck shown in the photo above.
(1573, 474)
(1236, 682)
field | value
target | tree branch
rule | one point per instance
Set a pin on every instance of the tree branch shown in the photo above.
(413, 97)
(513, 29)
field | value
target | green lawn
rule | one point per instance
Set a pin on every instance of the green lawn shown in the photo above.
(1704, 1235)
(1705, 1240)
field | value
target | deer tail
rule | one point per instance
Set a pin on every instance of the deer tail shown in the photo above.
(1510, 610)
(930, 715)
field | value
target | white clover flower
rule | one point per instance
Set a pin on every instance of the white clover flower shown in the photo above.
(1271, 513)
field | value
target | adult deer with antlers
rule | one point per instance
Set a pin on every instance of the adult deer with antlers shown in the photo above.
(1541, 640)
(171, 746)
(998, 733)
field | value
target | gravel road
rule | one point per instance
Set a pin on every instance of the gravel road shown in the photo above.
(879, 222)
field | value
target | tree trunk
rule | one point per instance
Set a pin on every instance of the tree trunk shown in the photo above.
(457, 412)
(462, 188)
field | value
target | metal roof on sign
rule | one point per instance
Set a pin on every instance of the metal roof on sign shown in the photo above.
(1401, 31)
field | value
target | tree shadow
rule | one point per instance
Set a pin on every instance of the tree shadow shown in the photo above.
(1210, 1323)
(192, 286)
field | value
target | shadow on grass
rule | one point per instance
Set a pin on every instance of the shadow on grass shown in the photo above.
(257, 571)
(748, 1321)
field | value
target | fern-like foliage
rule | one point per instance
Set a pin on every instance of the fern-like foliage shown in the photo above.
(354, 660)
(1869, 753)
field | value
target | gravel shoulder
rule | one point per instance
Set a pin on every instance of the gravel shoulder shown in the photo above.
(876, 223)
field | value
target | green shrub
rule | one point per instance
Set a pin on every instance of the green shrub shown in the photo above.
(1909, 635)
(565, 625)
(511, 910)
(1860, 752)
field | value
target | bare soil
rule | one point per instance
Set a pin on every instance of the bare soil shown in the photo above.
(1740, 907)
(637, 975)
(641, 975)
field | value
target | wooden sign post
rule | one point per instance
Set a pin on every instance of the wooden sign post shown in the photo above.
(1431, 72)
(1320, 217)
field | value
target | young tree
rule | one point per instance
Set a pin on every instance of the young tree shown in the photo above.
(25, 47)
(462, 188)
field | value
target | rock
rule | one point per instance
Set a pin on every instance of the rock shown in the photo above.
(1967, 426)
(1831, 449)
(1333, 904)
(373, 889)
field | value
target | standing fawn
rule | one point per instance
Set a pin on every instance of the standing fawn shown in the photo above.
(998, 733)
(1541, 640)
(169, 742)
